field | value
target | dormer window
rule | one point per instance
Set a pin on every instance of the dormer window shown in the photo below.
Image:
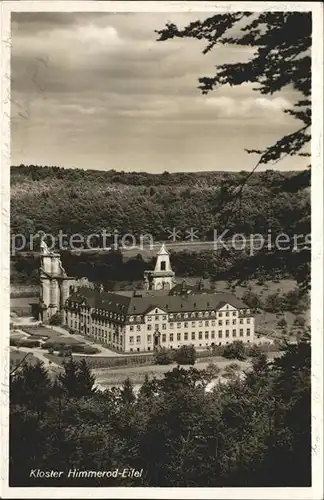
(131, 318)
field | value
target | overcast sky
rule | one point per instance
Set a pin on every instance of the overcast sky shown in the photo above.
(98, 91)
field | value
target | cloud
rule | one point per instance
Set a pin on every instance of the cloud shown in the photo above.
(102, 88)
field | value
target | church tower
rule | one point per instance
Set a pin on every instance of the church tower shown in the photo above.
(162, 278)
(54, 283)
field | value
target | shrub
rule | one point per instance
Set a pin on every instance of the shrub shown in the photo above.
(86, 349)
(163, 357)
(56, 319)
(233, 366)
(24, 343)
(254, 351)
(213, 370)
(300, 321)
(185, 355)
(282, 323)
(236, 350)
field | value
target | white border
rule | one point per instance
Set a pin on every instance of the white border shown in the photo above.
(316, 491)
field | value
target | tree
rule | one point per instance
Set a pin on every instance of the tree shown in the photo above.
(127, 392)
(282, 43)
(77, 380)
(252, 300)
(236, 350)
(282, 323)
(300, 321)
(30, 383)
(185, 355)
(86, 380)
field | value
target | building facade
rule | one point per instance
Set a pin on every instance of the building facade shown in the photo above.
(170, 316)
(162, 277)
(55, 285)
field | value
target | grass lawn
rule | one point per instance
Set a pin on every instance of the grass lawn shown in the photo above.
(113, 376)
(53, 335)
(95, 361)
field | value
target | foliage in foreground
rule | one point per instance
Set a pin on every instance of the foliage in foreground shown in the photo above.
(251, 432)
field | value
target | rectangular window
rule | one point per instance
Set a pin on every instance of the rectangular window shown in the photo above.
(248, 332)
(138, 339)
(156, 318)
(234, 313)
(186, 324)
(186, 335)
(234, 333)
(220, 314)
(248, 320)
(171, 325)
(200, 323)
(200, 335)
(234, 322)
(156, 326)
(171, 337)
(213, 323)
(227, 333)
(213, 334)
(138, 327)
(227, 313)
(178, 325)
(227, 322)
(220, 334)
(164, 318)
(193, 323)
(164, 326)
(164, 337)
(241, 332)
(193, 335)
(206, 323)
(206, 335)
(149, 327)
(241, 321)
(149, 318)
(178, 336)
(149, 338)
(220, 322)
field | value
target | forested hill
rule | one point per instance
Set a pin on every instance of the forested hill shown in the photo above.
(86, 201)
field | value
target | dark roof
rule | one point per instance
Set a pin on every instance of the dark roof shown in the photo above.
(184, 288)
(122, 304)
(101, 300)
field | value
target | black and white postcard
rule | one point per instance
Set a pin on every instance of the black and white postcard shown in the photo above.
(162, 249)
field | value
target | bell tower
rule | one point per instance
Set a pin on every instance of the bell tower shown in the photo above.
(54, 283)
(162, 278)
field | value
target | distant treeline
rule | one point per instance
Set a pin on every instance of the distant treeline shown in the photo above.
(115, 267)
(53, 199)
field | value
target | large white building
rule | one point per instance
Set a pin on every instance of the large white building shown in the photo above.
(166, 315)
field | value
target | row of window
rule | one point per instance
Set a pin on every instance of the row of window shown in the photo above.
(193, 324)
(163, 317)
(199, 336)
